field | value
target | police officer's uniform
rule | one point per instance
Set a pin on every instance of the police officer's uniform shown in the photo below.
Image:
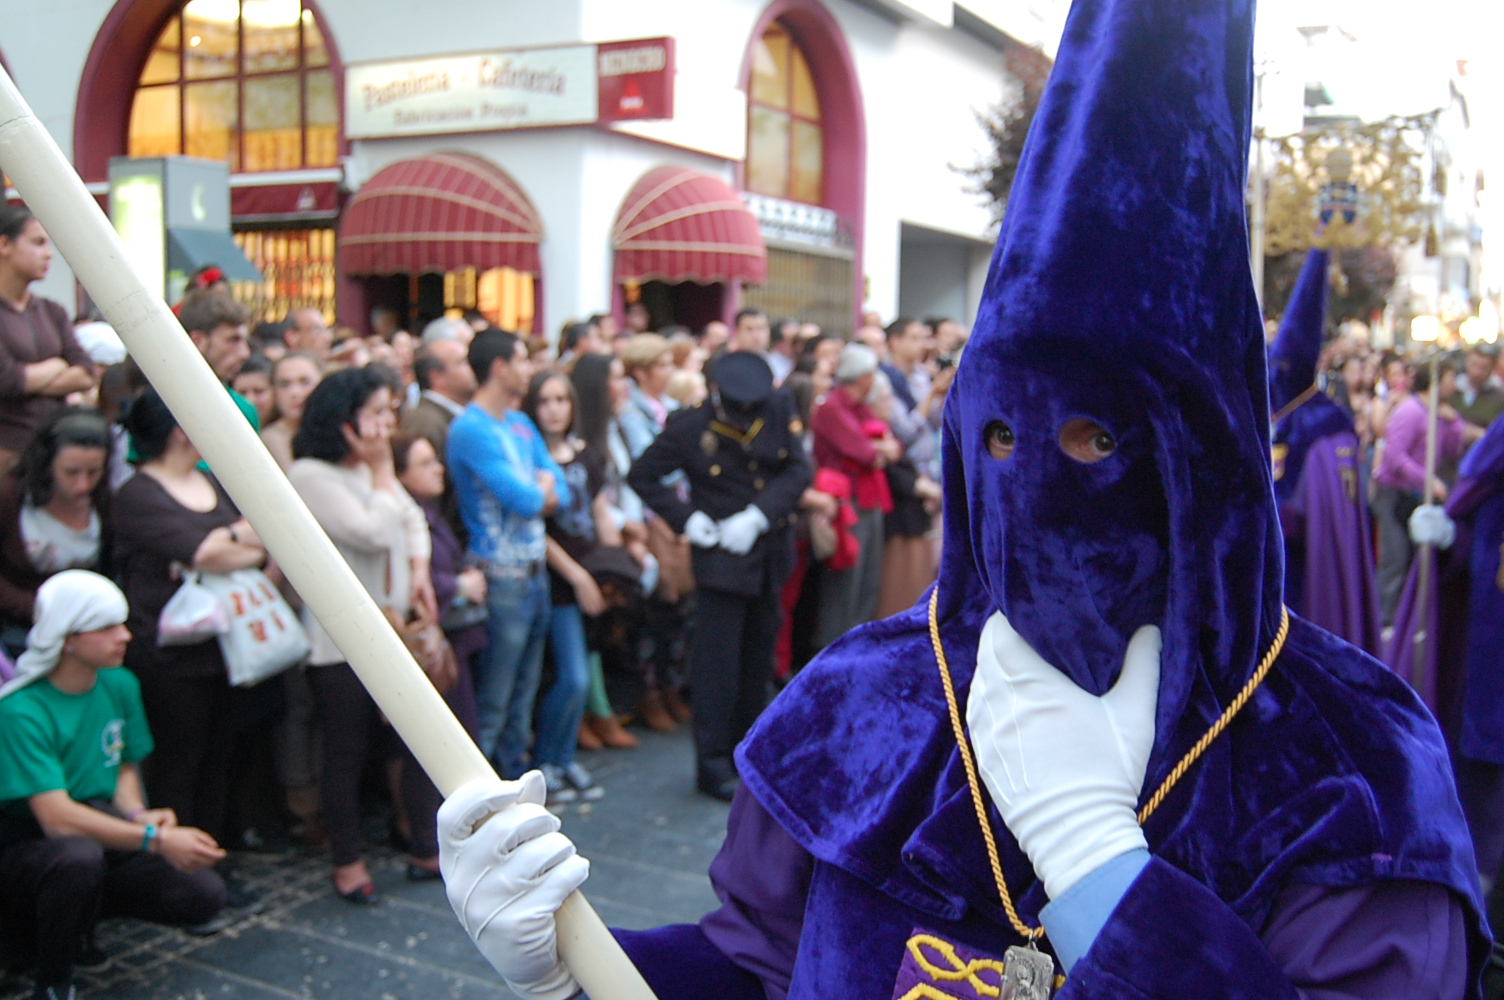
(738, 448)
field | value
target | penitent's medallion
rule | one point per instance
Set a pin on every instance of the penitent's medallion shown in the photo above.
(1027, 975)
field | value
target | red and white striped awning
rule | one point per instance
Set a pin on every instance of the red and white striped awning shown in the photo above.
(441, 212)
(678, 224)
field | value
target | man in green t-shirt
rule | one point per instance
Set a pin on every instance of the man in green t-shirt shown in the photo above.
(76, 839)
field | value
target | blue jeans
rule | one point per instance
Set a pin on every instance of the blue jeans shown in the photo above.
(508, 681)
(559, 714)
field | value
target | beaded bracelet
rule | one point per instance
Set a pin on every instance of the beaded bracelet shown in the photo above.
(149, 836)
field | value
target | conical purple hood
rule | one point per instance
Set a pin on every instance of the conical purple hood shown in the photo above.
(1120, 294)
(1297, 346)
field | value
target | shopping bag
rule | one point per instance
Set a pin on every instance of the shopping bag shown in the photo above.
(264, 637)
(192, 615)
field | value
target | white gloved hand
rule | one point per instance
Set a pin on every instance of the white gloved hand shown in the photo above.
(506, 879)
(740, 532)
(1064, 767)
(1429, 525)
(701, 530)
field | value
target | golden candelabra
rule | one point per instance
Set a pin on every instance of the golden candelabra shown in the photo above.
(1383, 159)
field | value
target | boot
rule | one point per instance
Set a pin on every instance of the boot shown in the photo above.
(611, 732)
(587, 740)
(676, 705)
(654, 714)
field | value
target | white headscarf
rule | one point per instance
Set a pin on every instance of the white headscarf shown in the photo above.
(73, 601)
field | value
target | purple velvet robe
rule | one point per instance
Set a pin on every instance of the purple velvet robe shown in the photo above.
(1329, 575)
(1389, 941)
(1479, 501)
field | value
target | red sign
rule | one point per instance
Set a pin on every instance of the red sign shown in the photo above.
(635, 79)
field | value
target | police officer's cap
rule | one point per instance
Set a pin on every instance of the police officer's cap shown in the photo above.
(743, 378)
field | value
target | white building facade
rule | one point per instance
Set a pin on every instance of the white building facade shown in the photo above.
(842, 126)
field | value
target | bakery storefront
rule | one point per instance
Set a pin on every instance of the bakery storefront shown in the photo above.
(483, 156)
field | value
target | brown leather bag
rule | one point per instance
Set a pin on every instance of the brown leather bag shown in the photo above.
(675, 578)
(425, 640)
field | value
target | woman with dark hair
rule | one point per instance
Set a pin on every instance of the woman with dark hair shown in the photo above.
(461, 595)
(345, 472)
(602, 389)
(170, 518)
(573, 533)
(54, 514)
(40, 360)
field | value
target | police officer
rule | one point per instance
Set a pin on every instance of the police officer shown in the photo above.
(746, 471)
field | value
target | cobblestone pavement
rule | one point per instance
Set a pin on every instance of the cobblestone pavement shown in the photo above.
(649, 841)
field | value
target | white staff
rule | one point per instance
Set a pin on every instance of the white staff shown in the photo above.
(57, 197)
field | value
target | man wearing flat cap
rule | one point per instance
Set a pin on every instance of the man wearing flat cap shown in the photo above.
(740, 454)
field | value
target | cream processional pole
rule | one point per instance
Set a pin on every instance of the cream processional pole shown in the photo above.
(56, 195)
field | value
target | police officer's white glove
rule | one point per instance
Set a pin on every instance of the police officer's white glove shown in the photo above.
(740, 532)
(701, 530)
(1064, 767)
(507, 878)
(1429, 525)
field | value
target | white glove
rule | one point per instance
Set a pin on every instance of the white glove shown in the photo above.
(506, 879)
(1429, 525)
(701, 530)
(740, 532)
(1064, 767)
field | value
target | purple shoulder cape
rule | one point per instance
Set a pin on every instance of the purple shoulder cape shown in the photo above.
(1334, 775)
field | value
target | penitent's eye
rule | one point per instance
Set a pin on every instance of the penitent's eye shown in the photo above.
(999, 438)
(1086, 441)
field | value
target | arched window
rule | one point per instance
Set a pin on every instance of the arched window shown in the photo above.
(245, 81)
(785, 135)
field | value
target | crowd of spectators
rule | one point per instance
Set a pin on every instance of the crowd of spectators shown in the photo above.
(476, 482)
(1388, 394)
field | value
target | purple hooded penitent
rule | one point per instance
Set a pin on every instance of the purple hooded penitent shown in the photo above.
(1479, 499)
(1463, 644)
(1322, 499)
(1120, 295)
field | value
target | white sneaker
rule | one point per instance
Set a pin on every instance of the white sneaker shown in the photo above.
(583, 783)
(561, 791)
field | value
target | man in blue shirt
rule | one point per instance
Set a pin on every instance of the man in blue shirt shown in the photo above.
(506, 484)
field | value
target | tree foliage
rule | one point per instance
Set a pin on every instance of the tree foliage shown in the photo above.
(1367, 273)
(1007, 126)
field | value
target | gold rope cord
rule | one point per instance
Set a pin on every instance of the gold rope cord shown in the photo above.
(1294, 404)
(1024, 930)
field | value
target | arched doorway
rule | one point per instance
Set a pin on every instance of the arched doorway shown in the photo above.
(255, 83)
(805, 172)
(683, 241)
(445, 231)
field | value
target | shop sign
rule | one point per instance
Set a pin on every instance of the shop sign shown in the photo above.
(529, 88)
(520, 88)
(636, 79)
(795, 222)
